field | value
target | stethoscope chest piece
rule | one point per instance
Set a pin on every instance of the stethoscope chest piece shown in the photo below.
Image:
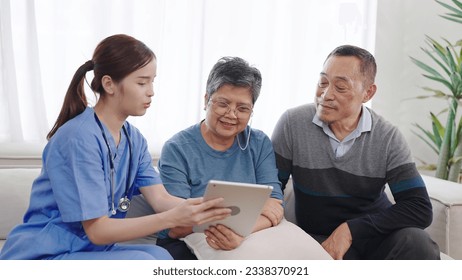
(124, 204)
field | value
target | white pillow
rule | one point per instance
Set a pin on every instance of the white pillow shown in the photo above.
(284, 242)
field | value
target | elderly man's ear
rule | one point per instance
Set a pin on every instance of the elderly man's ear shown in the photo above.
(370, 93)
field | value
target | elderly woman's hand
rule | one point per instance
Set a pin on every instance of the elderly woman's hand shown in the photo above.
(179, 232)
(220, 237)
(273, 211)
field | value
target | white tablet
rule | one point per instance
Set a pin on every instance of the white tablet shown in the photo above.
(245, 200)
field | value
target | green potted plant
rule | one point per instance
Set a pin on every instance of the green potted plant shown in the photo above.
(445, 140)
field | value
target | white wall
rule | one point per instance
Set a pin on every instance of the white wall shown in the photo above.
(401, 29)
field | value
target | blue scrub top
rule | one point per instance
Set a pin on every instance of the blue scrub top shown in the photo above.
(74, 186)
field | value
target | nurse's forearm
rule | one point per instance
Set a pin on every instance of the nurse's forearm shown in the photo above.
(104, 230)
(159, 199)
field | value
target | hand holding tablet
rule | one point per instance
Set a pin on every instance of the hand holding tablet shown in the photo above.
(245, 200)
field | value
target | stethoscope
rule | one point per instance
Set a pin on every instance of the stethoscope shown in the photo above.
(124, 202)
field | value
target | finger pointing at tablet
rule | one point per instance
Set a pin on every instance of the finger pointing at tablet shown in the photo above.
(211, 211)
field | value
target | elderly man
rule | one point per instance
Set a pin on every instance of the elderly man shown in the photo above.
(340, 155)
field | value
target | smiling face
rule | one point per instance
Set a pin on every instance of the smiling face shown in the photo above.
(341, 91)
(220, 130)
(136, 90)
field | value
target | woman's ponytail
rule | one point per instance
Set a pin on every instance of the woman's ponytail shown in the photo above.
(75, 100)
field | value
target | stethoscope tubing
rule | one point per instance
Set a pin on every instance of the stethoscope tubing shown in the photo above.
(124, 202)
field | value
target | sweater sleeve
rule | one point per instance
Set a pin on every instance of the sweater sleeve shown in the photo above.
(266, 168)
(412, 207)
(281, 139)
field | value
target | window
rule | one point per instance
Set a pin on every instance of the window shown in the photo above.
(46, 41)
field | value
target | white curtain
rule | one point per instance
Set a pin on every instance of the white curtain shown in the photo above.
(43, 42)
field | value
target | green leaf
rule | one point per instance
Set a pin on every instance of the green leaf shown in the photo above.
(458, 4)
(453, 138)
(455, 10)
(429, 167)
(432, 146)
(452, 51)
(426, 68)
(443, 81)
(455, 160)
(431, 136)
(451, 62)
(437, 93)
(456, 81)
(452, 16)
(438, 128)
(441, 52)
(459, 130)
(445, 110)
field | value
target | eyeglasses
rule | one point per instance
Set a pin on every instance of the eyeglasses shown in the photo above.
(222, 108)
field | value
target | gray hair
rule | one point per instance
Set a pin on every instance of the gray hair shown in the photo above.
(234, 71)
(368, 66)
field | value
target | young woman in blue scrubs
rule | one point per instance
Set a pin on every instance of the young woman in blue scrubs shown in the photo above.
(93, 164)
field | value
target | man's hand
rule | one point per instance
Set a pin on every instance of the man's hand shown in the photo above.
(338, 243)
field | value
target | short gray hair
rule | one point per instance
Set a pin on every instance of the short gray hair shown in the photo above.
(234, 71)
(368, 66)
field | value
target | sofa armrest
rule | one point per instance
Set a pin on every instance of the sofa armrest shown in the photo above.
(29, 154)
(21, 154)
(446, 228)
(15, 187)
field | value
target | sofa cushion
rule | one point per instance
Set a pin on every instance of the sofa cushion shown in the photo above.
(261, 245)
(15, 186)
(296, 245)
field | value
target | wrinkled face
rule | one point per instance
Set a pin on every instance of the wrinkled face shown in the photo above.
(136, 90)
(341, 90)
(228, 111)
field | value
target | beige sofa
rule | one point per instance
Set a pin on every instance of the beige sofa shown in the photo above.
(20, 165)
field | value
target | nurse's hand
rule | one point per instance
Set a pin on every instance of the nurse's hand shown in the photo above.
(195, 211)
(220, 237)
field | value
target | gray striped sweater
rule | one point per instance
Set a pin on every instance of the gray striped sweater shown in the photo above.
(330, 190)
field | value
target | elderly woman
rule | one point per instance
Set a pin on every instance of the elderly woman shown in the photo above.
(223, 146)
